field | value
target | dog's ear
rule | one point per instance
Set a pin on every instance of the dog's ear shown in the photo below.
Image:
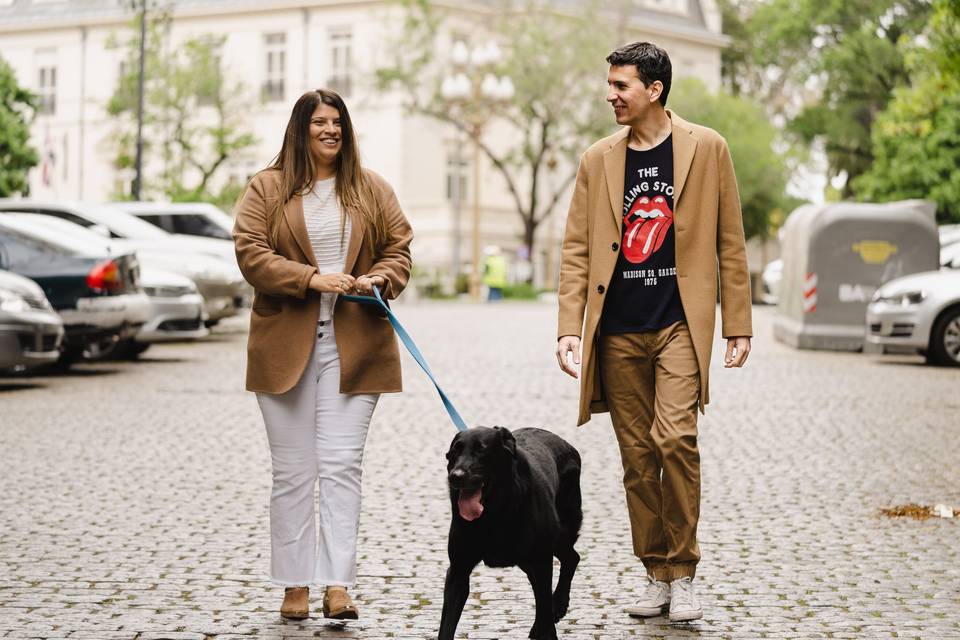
(506, 439)
(453, 443)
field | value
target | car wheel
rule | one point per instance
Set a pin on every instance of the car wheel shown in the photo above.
(945, 340)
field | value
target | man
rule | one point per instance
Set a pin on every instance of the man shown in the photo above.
(655, 217)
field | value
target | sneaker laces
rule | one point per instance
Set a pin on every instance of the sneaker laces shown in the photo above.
(653, 590)
(683, 595)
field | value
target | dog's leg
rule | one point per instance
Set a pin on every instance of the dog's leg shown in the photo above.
(456, 588)
(540, 574)
(569, 559)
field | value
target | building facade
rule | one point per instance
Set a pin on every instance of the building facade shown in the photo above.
(67, 52)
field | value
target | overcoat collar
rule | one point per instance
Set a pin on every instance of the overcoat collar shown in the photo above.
(615, 159)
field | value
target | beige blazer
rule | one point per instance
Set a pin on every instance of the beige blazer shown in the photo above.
(709, 243)
(283, 321)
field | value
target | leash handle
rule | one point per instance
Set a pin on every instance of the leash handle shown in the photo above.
(411, 346)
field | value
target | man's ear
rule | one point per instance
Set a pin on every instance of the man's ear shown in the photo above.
(506, 440)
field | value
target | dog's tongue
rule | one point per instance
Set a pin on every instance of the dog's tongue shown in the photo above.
(469, 503)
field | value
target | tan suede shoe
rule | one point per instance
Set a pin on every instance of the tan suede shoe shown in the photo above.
(296, 603)
(338, 605)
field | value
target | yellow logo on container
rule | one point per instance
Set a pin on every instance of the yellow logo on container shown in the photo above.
(874, 251)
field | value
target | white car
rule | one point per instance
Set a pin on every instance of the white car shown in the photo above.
(187, 218)
(919, 313)
(770, 278)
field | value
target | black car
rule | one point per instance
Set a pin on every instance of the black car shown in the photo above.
(97, 295)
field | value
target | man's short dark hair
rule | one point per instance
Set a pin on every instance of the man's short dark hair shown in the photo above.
(651, 61)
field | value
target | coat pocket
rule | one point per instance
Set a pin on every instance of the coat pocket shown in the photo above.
(265, 305)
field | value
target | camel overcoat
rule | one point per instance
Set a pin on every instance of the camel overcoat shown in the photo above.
(709, 246)
(283, 321)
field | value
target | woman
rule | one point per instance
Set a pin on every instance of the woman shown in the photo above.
(314, 225)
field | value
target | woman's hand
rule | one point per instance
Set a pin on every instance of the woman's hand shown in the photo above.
(332, 282)
(365, 284)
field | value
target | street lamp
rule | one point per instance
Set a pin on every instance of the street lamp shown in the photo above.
(472, 91)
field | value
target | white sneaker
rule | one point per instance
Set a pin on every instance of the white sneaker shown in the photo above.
(684, 604)
(654, 600)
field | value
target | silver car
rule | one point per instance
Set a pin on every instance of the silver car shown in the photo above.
(30, 330)
(178, 309)
(919, 313)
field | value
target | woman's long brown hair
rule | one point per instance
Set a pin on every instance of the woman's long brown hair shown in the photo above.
(298, 170)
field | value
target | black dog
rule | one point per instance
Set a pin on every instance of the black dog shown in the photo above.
(516, 502)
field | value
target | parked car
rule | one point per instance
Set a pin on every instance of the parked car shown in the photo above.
(30, 330)
(919, 313)
(949, 253)
(97, 294)
(771, 276)
(177, 312)
(115, 223)
(222, 287)
(188, 218)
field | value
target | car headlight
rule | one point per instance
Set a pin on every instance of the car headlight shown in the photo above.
(906, 299)
(10, 301)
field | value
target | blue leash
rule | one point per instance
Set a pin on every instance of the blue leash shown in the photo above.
(378, 302)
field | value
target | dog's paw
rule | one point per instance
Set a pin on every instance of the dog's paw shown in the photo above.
(560, 606)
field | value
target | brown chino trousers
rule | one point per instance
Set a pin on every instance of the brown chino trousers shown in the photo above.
(652, 386)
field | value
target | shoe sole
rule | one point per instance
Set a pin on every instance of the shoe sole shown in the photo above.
(638, 612)
(295, 615)
(344, 614)
(686, 617)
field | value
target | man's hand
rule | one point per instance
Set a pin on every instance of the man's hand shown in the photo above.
(737, 351)
(565, 346)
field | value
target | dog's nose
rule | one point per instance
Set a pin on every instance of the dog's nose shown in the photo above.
(457, 475)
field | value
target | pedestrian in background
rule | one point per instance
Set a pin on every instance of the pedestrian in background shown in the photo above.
(494, 273)
(310, 227)
(654, 220)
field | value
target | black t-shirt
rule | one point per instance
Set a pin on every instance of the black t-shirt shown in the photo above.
(643, 293)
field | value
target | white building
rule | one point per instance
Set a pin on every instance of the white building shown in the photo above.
(278, 49)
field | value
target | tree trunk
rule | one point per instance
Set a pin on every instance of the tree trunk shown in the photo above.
(529, 233)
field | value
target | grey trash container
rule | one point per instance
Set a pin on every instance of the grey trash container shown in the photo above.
(836, 255)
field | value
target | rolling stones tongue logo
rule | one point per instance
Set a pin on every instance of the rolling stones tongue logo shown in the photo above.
(645, 227)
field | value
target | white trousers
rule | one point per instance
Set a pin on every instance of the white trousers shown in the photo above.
(316, 433)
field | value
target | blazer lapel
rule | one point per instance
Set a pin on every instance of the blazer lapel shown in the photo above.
(614, 165)
(684, 148)
(353, 245)
(293, 214)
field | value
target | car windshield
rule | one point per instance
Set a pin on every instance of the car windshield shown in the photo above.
(80, 241)
(196, 224)
(124, 225)
(65, 232)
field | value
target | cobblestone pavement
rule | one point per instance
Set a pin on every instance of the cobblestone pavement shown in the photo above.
(134, 496)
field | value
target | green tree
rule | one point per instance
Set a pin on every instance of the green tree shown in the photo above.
(916, 141)
(829, 67)
(192, 115)
(556, 63)
(16, 155)
(761, 169)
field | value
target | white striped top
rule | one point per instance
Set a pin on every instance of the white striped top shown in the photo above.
(321, 213)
